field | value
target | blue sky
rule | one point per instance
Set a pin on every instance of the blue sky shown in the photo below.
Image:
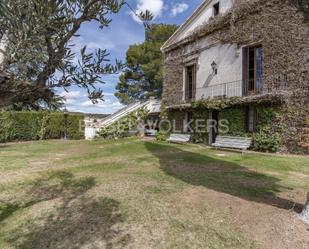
(124, 31)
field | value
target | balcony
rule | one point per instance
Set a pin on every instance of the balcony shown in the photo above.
(224, 90)
(268, 90)
(241, 88)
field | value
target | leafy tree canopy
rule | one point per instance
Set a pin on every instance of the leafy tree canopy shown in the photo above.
(143, 76)
(36, 55)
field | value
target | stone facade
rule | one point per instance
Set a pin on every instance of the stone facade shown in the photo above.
(177, 117)
(281, 29)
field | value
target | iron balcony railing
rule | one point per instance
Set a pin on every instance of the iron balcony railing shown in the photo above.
(240, 88)
(224, 90)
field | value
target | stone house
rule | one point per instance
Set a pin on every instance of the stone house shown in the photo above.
(245, 62)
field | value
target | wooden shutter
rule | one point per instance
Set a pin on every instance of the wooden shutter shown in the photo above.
(245, 69)
(194, 81)
(186, 85)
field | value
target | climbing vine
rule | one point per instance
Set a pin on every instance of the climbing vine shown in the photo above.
(235, 120)
(280, 27)
(266, 138)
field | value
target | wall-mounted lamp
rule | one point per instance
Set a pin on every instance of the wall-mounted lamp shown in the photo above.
(214, 67)
(237, 51)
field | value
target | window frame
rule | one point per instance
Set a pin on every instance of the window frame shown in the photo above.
(190, 92)
(216, 9)
(252, 84)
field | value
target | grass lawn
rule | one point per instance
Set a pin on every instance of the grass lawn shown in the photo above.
(144, 194)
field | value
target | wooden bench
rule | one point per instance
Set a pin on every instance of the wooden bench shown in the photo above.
(179, 138)
(241, 143)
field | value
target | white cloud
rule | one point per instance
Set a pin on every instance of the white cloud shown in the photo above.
(108, 94)
(107, 106)
(89, 103)
(179, 8)
(96, 43)
(71, 96)
(154, 6)
(70, 101)
(92, 42)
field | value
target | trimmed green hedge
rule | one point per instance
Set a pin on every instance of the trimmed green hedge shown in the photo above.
(27, 126)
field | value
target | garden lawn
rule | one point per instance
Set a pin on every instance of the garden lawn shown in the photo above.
(143, 194)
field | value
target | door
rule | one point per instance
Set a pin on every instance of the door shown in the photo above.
(253, 70)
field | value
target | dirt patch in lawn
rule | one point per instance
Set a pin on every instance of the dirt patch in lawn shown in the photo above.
(257, 203)
(269, 226)
(48, 161)
(77, 220)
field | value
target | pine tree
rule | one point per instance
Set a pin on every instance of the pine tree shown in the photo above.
(143, 76)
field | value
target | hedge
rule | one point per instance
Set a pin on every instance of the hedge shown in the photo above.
(27, 126)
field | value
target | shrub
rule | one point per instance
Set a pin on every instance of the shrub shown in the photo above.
(119, 129)
(200, 138)
(123, 127)
(162, 135)
(27, 126)
(266, 142)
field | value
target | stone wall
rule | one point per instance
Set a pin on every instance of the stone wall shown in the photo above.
(173, 82)
(177, 119)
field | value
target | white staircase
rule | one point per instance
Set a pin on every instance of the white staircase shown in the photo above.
(153, 106)
(121, 113)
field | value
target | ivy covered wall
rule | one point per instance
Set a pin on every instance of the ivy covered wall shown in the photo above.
(235, 117)
(266, 138)
(201, 135)
(282, 30)
(177, 119)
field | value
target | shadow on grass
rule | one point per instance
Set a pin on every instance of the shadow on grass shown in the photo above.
(7, 209)
(76, 220)
(219, 175)
(52, 185)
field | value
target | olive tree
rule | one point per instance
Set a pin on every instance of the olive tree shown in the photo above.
(36, 52)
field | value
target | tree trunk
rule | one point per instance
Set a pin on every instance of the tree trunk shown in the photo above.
(305, 214)
(27, 94)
